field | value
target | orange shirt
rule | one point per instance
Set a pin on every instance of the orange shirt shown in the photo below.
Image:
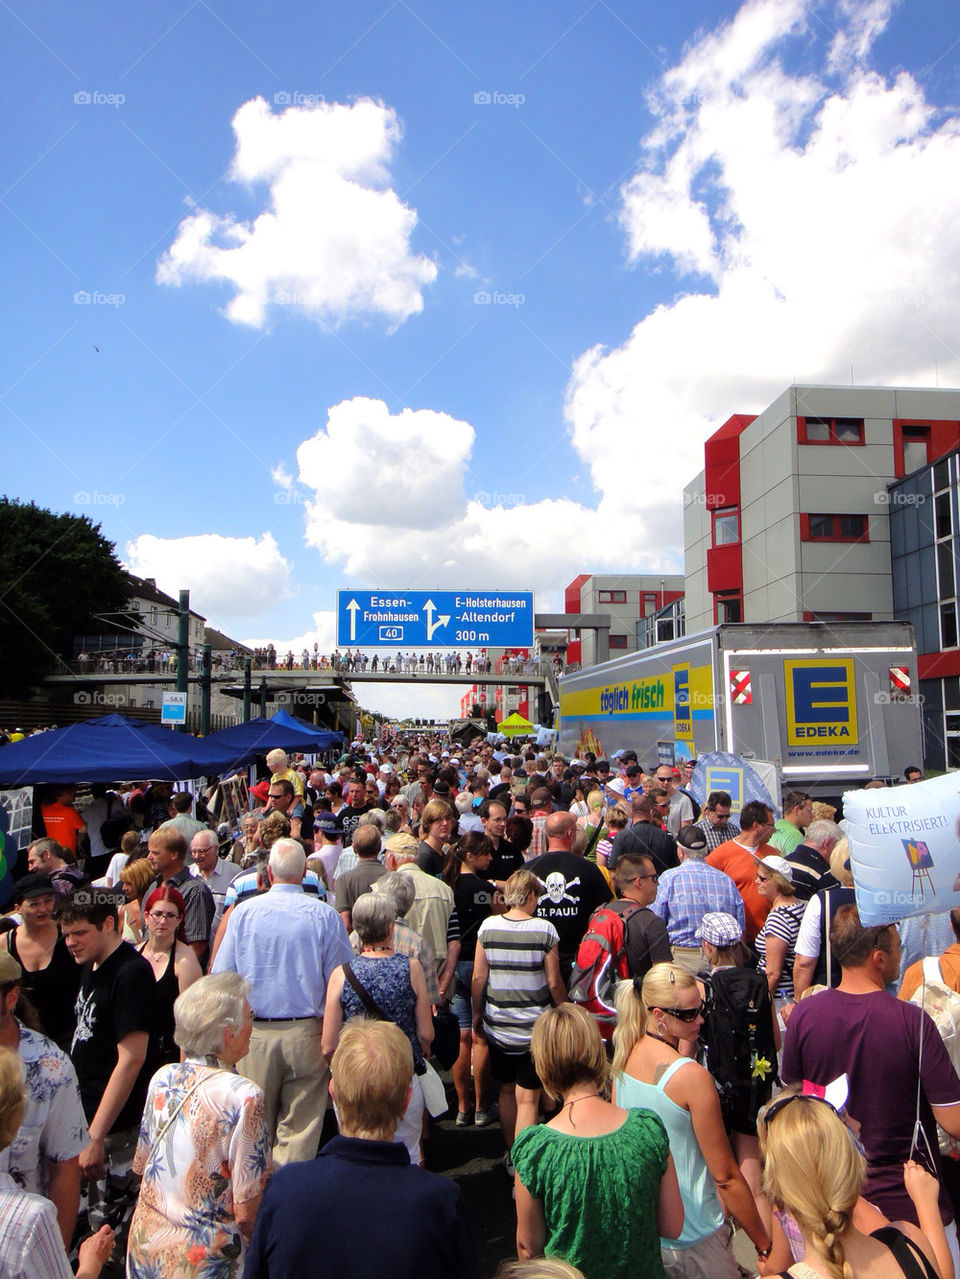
(740, 864)
(62, 822)
(949, 973)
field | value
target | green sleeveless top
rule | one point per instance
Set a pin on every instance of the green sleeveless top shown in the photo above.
(599, 1194)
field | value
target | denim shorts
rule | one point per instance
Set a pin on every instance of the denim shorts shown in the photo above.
(460, 1004)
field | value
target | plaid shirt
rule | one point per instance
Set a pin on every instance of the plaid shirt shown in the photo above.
(688, 892)
(717, 835)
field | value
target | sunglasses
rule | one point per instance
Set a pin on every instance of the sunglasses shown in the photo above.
(773, 1108)
(682, 1014)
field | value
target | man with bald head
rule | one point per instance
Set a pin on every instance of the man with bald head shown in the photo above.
(572, 887)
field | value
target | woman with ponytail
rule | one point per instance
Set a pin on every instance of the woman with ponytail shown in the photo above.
(650, 1072)
(813, 1170)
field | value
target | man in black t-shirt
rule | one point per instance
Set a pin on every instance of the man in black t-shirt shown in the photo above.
(573, 887)
(111, 1048)
(644, 837)
(353, 810)
(506, 857)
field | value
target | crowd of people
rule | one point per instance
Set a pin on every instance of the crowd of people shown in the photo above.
(671, 1009)
(160, 660)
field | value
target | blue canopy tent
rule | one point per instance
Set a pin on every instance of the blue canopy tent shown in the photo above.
(257, 736)
(326, 739)
(114, 748)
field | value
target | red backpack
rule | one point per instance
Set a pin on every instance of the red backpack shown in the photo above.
(600, 963)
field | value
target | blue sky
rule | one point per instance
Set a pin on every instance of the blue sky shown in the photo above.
(424, 294)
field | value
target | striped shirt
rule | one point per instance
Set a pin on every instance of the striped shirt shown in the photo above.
(782, 922)
(517, 991)
(31, 1246)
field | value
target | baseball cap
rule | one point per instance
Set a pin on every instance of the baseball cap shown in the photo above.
(719, 929)
(402, 843)
(692, 837)
(386, 768)
(10, 970)
(32, 885)
(778, 865)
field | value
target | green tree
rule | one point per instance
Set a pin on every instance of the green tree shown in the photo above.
(57, 572)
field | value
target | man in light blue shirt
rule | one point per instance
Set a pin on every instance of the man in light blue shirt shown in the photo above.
(688, 892)
(286, 943)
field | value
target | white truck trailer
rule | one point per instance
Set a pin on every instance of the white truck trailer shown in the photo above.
(832, 705)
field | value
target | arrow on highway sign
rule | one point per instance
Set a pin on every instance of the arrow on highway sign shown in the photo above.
(433, 626)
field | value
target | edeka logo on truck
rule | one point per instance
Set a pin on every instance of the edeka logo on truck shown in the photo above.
(821, 700)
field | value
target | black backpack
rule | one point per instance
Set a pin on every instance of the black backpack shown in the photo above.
(738, 1035)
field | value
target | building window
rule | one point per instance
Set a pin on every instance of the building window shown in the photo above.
(729, 606)
(829, 430)
(726, 526)
(613, 597)
(648, 602)
(618, 641)
(834, 528)
(946, 569)
(916, 453)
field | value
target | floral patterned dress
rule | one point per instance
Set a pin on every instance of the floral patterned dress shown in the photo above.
(203, 1146)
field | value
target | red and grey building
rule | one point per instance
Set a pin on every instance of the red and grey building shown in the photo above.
(790, 518)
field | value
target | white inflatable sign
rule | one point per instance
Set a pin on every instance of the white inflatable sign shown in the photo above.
(905, 848)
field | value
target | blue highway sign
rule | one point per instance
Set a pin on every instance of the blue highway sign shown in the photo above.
(435, 619)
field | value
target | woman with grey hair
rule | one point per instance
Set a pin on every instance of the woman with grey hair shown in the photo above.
(384, 985)
(204, 1149)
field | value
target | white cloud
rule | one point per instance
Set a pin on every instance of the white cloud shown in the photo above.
(333, 240)
(401, 510)
(282, 477)
(821, 213)
(230, 578)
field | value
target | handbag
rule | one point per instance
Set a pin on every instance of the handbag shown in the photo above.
(446, 1037)
(434, 1093)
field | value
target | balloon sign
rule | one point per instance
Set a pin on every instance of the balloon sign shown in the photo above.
(719, 770)
(905, 848)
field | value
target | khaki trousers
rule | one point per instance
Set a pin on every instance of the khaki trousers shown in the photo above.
(689, 957)
(284, 1058)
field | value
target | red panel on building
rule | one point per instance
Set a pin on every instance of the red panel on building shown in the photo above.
(724, 568)
(721, 462)
(937, 665)
(571, 596)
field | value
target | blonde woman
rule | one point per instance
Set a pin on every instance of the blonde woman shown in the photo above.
(136, 879)
(813, 1170)
(650, 1072)
(777, 939)
(615, 1233)
(592, 822)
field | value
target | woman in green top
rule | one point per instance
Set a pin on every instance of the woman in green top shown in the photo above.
(596, 1186)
